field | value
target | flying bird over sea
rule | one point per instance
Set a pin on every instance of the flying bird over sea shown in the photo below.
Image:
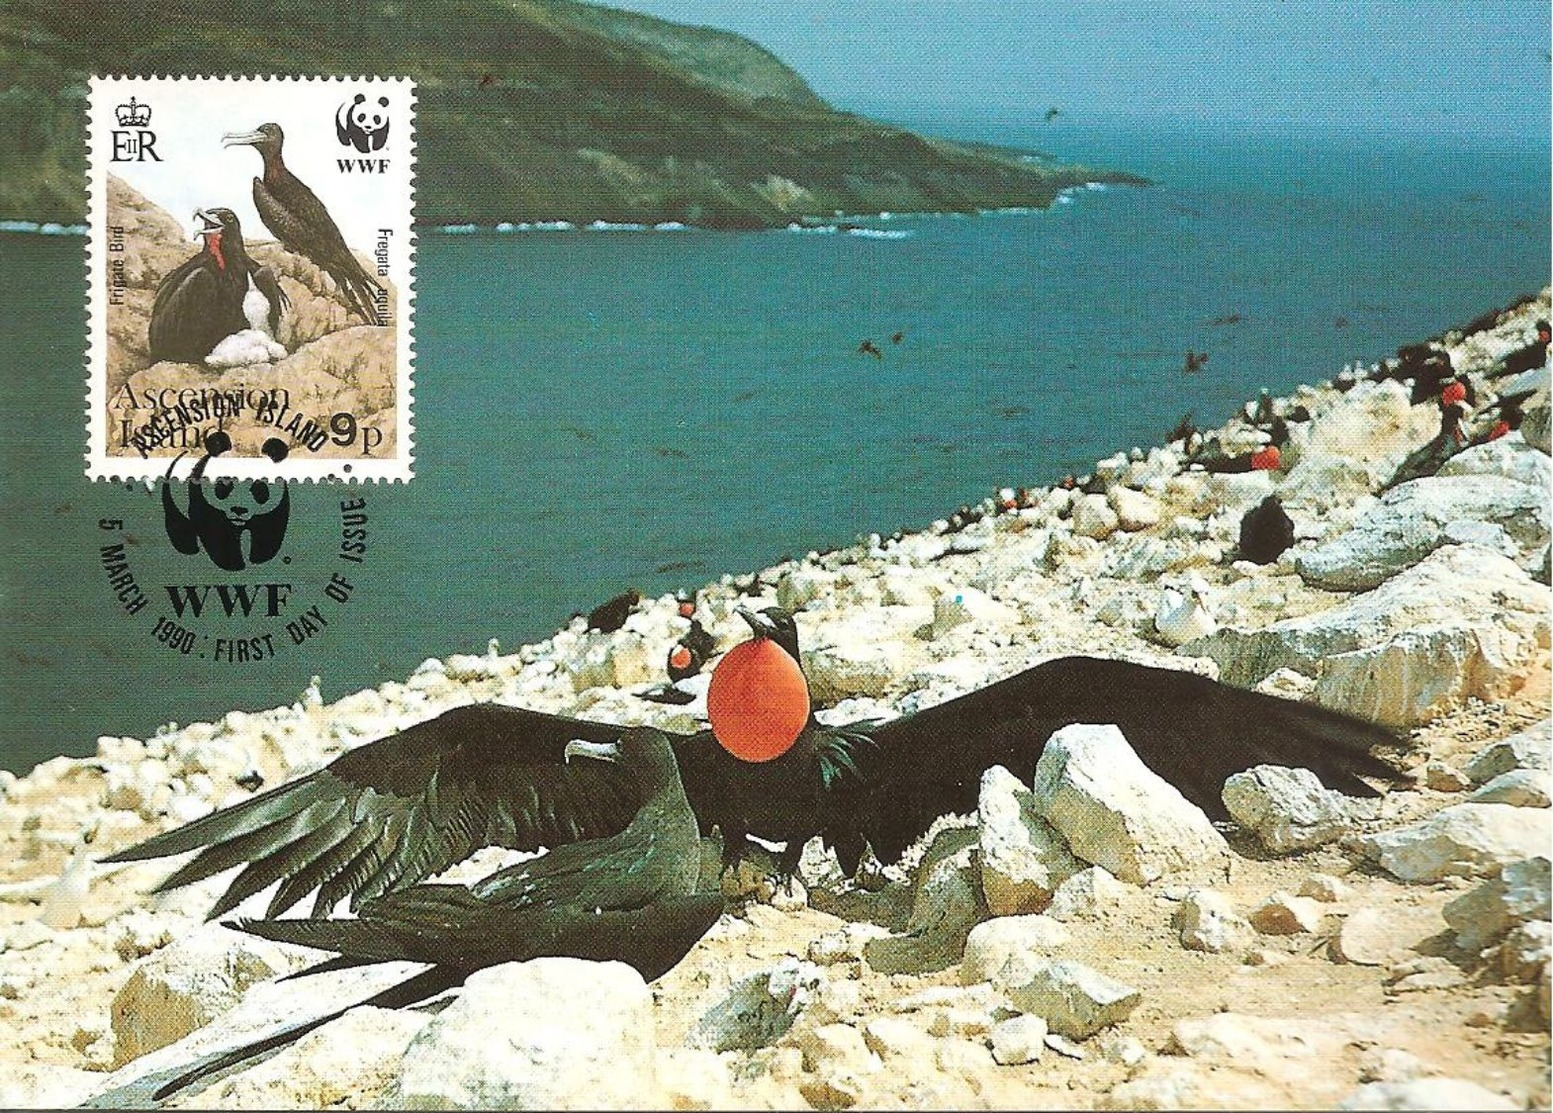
(393, 812)
(869, 348)
(217, 292)
(629, 897)
(1052, 113)
(302, 224)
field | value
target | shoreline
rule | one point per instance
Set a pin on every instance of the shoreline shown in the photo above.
(848, 223)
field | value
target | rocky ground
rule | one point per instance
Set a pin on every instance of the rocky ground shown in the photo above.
(333, 362)
(1063, 948)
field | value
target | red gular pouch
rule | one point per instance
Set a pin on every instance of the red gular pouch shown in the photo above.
(758, 701)
(1266, 459)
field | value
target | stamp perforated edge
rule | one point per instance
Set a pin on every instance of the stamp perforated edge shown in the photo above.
(99, 464)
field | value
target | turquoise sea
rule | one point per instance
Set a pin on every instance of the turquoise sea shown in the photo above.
(599, 410)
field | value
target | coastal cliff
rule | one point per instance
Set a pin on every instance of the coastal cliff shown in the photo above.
(1390, 954)
(538, 110)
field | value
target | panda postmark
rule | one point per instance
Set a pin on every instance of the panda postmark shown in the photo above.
(225, 571)
(250, 263)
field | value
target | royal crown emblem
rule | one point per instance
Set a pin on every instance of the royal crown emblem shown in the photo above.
(133, 115)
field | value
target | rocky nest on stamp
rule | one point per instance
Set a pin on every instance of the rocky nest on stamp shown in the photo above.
(1394, 955)
(334, 362)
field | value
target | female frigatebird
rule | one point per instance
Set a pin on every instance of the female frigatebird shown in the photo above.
(395, 811)
(217, 292)
(301, 223)
(628, 898)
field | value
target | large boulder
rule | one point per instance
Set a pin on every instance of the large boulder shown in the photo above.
(1355, 444)
(191, 981)
(1416, 518)
(1116, 812)
(1023, 859)
(1464, 840)
(991, 944)
(1509, 456)
(1462, 623)
(1287, 809)
(554, 1033)
(1075, 1000)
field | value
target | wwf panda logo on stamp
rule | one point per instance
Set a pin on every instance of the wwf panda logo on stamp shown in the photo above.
(250, 261)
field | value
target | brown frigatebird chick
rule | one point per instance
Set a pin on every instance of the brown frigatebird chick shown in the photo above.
(391, 813)
(207, 298)
(629, 898)
(302, 224)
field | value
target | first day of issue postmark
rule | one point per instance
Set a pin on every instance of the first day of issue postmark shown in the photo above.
(250, 270)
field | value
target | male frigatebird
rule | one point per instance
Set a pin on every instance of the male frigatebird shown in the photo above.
(301, 223)
(217, 292)
(629, 898)
(392, 812)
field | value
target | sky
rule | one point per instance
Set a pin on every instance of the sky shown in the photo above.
(1409, 66)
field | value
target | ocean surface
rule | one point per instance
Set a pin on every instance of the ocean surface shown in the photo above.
(597, 410)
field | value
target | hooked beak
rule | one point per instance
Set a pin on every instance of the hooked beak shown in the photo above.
(763, 626)
(208, 223)
(601, 751)
(242, 138)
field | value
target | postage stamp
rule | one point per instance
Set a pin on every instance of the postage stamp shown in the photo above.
(250, 263)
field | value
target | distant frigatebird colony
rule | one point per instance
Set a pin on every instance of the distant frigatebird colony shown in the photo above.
(221, 290)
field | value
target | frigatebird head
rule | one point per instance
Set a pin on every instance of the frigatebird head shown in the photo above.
(220, 230)
(266, 137)
(776, 624)
(643, 752)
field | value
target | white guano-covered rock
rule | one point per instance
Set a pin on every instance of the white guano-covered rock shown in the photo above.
(347, 1059)
(1464, 840)
(1355, 446)
(554, 1033)
(1286, 809)
(1412, 520)
(1018, 1040)
(967, 604)
(1523, 788)
(1510, 457)
(1426, 1093)
(1075, 1000)
(1462, 623)
(757, 1009)
(1526, 749)
(991, 944)
(1207, 921)
(1134, 510)
(1093, 517)
(836, 672)
(1520, 893)
(1088, 895)
(1116, 812)
(1023, 859)
(190, 982)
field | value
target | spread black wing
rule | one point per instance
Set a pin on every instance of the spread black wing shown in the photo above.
(449, 926)
(1192, 731)
(395, 811)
